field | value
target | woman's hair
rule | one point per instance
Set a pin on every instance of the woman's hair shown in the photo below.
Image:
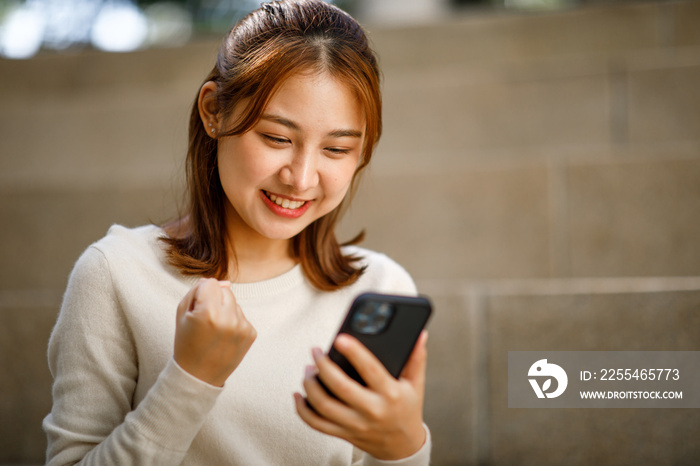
(266, 47)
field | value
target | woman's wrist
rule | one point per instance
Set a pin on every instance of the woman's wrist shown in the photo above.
(402, 450)
(420, 456)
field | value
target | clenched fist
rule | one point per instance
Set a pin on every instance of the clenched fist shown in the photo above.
(211, 335)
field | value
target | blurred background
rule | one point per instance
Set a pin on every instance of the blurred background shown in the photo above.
(539, 175)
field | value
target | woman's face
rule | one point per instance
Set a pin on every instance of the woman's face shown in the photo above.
(296, 164)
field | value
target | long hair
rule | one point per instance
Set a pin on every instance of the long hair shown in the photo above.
(266, 47)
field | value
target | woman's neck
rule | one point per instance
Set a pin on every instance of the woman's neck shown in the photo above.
(257, 259)
(253, 257)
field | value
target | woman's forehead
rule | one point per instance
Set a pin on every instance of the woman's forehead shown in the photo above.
(318, 98)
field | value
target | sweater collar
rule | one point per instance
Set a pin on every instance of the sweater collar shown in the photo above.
(266, 288)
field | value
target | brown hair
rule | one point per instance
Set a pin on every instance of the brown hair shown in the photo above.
(266, 47)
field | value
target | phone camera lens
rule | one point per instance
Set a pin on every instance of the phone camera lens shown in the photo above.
(372, 318)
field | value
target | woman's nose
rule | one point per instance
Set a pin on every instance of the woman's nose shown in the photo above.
(301, 173)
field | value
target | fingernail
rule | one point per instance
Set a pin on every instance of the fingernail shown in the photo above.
(316, 353)
(342, 341)
(309, 371)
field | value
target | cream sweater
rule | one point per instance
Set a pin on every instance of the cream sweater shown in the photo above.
(120, 398)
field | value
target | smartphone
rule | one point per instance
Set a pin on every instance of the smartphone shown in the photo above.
(387, 325)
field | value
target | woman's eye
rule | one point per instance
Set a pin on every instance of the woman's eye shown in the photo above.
(275, 140)
(337, 150)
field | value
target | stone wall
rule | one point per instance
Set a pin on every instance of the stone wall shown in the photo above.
(539, 175)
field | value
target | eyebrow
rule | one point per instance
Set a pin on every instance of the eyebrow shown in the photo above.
(336, 133)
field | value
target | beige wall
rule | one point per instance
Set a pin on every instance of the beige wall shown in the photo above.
(539, 175)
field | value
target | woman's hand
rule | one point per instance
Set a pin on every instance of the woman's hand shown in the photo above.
(385, 418)
(211, 335)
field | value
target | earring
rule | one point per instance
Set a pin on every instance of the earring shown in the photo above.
(213, 130)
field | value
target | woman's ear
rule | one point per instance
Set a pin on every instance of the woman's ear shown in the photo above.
(209, 108)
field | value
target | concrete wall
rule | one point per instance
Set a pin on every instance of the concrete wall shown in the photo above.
(539, 175)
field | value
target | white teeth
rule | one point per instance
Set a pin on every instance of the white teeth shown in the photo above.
(285, 203)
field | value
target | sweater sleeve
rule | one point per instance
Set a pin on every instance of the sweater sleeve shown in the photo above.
(93, 361)
(419, 458)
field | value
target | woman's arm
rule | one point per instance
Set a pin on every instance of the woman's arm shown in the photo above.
(93, 361)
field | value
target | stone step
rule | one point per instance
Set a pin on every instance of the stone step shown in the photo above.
(447, 115)
(45, 230)
(633, 216)
(112, 118)
(475, 325)
(610, 29)
(116, 133)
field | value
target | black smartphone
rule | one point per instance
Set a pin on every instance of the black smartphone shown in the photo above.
(387, 325)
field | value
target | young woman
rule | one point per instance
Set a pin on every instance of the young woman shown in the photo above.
(155, 364)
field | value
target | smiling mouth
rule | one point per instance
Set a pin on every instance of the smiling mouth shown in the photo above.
(284, 203)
